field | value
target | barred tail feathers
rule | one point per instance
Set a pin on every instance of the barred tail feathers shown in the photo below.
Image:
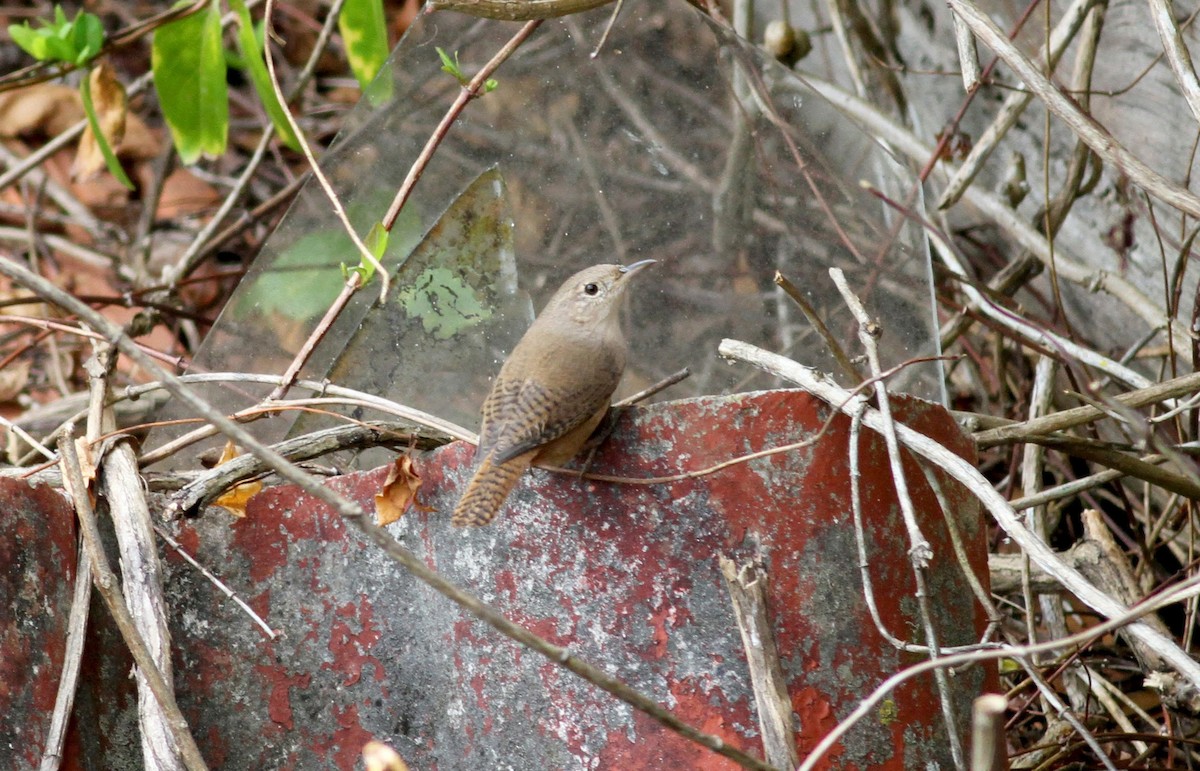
(488, 489)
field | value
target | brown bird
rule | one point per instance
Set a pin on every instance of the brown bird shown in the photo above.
(553, 390)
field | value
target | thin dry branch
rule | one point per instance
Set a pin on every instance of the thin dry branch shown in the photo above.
(1176, 51)
(52, 756)
(967, 475)
(1014, 105)
(1077, 416)
(1084, 126)
(141, 573)
(1067, 265)
(747, 587)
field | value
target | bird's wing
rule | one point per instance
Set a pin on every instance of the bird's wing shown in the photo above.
(521, 415)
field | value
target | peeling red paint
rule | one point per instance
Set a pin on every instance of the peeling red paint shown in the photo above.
(506, 583)
(347, 646)
(667, 750)
(279, 703)
(348, 740)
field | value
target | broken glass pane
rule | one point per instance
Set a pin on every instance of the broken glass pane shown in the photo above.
(678, 142)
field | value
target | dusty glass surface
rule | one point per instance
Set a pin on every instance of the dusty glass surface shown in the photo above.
(678, 142)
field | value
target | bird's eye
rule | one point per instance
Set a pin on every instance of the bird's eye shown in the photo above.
(591, 289)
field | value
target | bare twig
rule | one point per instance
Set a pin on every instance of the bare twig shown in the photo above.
(871, 701)
(1067, 265)
(987, 733)
(1084, 126)
(1064, 419)
(518, 10)
(1005, 283)
(174, 361)
(1177, 53)
(968, 55)
(818, 324)
(473, 89)
(141, 572)
(747, 587)
(107, 583)
(52, 756)
(385, 406)
(920, 552)
(1014, 105)
(661, 385)
(1018, 324)
(189, 559)
(210, 484)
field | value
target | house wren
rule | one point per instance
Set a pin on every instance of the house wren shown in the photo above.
(553, 390)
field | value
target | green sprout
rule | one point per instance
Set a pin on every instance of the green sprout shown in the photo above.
(452, 66)
(75, 41)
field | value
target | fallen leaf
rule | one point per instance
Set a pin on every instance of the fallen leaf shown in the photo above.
(46, 108)
(399, 492)
(13, 378)
(108, 97)
(140, 142)
(234, 500)
(184, 194)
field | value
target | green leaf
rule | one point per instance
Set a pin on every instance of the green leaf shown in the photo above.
(76, 41)
(88, 37)
(29, 41)
(189, 74)
(251, 52)
(58, 49)
(453, 67)
(376, 242)
(364, 33)
(110, 157)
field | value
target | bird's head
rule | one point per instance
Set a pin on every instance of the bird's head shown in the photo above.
(593, 295)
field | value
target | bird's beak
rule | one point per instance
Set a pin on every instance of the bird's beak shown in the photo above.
(628, 270)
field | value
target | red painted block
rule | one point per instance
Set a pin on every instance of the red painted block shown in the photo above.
(37, 575)
(626, 576)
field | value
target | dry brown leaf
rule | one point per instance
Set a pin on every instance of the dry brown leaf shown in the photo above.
(108, 97)
(183, 194)
(141, 143)
(379, 757)
(45, 108)
(13, 378)
(235, 500)
(399, 492)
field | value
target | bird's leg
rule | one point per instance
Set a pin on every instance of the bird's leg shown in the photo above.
(603, 430)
